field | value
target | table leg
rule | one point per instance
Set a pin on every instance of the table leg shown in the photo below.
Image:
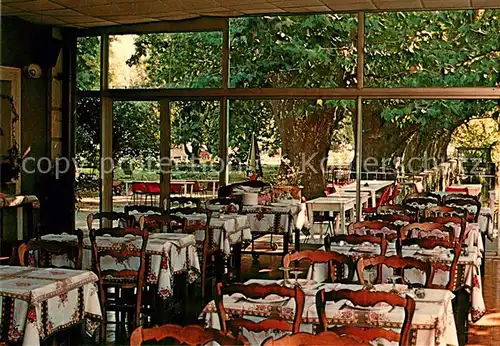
(374, 198)
(310, 208)
(237, 261)
(297, 234)
(351, 214)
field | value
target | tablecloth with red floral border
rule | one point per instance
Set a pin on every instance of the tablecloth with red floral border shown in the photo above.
(167, 254)
(38, 302)
(433, 322)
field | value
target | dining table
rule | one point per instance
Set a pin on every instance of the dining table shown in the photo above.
(337, 204)
(38, 302)
(167, 255)
(433, 322)
(468, 272)
(371, 186)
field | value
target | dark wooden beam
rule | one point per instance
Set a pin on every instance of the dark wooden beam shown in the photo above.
(298, 93)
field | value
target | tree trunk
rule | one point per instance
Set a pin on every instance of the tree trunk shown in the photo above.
(305, 132)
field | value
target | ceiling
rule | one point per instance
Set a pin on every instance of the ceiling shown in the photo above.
(92, 13)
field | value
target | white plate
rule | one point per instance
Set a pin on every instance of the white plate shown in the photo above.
(272, 298)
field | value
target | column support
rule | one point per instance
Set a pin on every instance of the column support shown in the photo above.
(359, 109)
(165, 160)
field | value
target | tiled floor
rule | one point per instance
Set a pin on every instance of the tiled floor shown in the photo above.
(487, 330)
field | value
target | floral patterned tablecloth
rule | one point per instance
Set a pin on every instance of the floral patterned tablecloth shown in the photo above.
(228, 229)
(468, 275)
(167, 254)
(433, 322)
(38, 302)
(276, 218)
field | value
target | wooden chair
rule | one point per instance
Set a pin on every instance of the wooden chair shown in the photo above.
(320, 339)
(120, 280)
(122, 219)
(421, 202)
(398, 209)
(367, 298)
(336, 262)
(454, 247)
(447, 221)
(427, 229)
(224, 205)
(209, 262)
(473, 207)
(189, 335)
(449, 196)
(48, 248)
(186, 211)
(372, 228)
(163, 223)
(256, 291)
(392, 218)
(395, 262)
(445, 211)
(426, 194)
(381, 201)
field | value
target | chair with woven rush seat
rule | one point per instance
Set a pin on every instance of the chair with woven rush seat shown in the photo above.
(449, 196)
(335, 262)
(427, 230)
(394, 262)
(48, 248)
(120, 219)
(392, 218)
(163, 223)
(320, 339)
(255, 291)
(113, 282)
(456, 222)
(367, 298)
(189, 335)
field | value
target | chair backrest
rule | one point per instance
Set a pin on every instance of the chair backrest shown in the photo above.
(48, 248)
(458, 196)
(123, 252)
(420, 202)
(256, 291)
(384, 198)
(454, 247)
(134, 209)
(372, 228)
(394, 193)
(458, 190)
(443, 210)
(458, 223)
(206, 255)
(164, 223)
(397, 209)
(123, 219)
(224, 205)
(355, 239)
(335, 262)
(368, 298)
(473, 207)
(394, 262)
(392, 218)
(320, 339)
(427, 230)
(186, 211)
(189, 335)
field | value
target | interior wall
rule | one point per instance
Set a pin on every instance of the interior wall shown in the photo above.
(21, 45)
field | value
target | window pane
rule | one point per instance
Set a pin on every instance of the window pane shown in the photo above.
(317, 51)
(88, 63)
(166, 60)
(439, 48)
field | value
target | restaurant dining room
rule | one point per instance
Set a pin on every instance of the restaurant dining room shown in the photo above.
(268, 172)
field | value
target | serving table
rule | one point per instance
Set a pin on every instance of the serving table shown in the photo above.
(37, 302)
(433, 322)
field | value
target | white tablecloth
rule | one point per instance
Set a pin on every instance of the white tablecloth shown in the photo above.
(38, 302)
(228, 229)
(169, 254)
(275, 218)
(468, 266)
(433, 320)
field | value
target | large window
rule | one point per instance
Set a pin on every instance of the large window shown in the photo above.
(88, 60)
(431, 49)
(166, 60)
